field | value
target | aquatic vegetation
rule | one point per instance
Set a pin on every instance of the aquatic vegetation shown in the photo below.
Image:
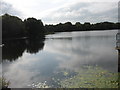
(40, 85)
(92, 77)
(86, 77)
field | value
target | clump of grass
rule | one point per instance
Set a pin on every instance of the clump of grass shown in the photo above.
(4, 83)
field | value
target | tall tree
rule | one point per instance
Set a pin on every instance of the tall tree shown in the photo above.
(34, 27)
(12, 26)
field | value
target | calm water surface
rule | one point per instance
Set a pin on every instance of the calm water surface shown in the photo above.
(27, 63)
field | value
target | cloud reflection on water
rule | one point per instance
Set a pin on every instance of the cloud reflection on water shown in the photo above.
(71, 52)
(91, 49)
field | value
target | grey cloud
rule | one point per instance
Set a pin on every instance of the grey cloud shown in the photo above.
(119, 11)
(73, 7)
(8, 8)
(110, 15)
(82, 12)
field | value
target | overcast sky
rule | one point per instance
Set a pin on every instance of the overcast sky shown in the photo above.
(56, 11)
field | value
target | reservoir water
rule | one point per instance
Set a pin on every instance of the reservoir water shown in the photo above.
(68, 59)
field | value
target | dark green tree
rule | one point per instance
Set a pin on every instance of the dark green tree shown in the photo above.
(12, 26)
(87, 26)
(68, 26)
(79, 26)
(34, 27)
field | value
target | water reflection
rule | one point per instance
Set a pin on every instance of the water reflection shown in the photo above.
(118, 60)
(63, 55)
(13, 49)
(87, 50)
(118, 48)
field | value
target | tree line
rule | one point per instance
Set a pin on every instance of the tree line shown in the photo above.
(13, 26)
(68, 26)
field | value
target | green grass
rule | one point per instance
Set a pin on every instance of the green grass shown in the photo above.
(4, 83)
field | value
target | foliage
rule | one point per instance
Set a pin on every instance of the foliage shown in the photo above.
(12, 26)
(4, 83)
(31, 27)
(68, 26)
(34, 27)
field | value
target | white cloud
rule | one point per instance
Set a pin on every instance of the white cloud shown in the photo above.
(85, 11)
(55, 11)
(8, 8)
